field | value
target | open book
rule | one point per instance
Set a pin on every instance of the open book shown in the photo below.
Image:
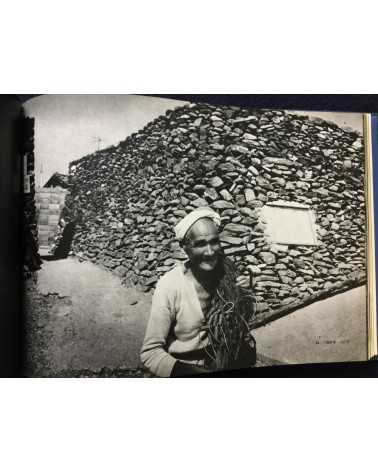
(112, 289)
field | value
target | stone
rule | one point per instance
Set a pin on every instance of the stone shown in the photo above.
(325, 221)
(303, 185)
(227, 167)
(240, 200)
(248, 212)
(211, 193)
(237, 228)
(335, 226)
(230, 212)
(327, 152)
(218, 147)
(268, 257)
(346, 224)
(266, 278)
(169, 262)
(249, 195)
(255, 161)
(289, 300)
(253, 170)
(251, 259)
(245, 120)
(268, 284)
(179, 213)
(231, 251)
(321, 191)
(262, 197)
(222, 205)
(279, 248)
(121, 271)
(142, 264)
(225, 194)
(280, 266)
(254, 269)
(249, 137)
(298, 280)
(280, 181)
(285, 279)
(199, 188)
(238, 149)
(357, 144)
(216, 182)
(248, 221)
(237, 219)
(231, 240)
(290, 186)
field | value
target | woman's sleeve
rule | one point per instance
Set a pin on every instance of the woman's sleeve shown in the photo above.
(154, 356)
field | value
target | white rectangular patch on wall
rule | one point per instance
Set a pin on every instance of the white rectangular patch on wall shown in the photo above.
(290, 223)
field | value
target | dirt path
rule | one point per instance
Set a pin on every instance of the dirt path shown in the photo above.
(81, 318)
(81, 321)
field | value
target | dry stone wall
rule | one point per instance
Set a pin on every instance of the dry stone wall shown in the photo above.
(31, 258)
(126, 199)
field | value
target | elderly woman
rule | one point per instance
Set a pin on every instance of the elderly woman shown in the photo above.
(178, 341)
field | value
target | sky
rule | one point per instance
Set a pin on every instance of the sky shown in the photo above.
(68, 127)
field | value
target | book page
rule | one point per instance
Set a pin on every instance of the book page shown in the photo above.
(116, 174)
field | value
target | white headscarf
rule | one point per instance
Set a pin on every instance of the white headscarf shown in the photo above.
(185, 224)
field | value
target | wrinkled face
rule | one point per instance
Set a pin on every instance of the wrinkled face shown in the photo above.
(202, 245)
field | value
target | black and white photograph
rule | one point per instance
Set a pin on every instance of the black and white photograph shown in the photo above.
(170, 238)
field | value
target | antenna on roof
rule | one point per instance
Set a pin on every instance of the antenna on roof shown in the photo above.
(98, 140)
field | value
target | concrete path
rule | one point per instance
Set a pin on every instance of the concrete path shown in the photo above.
(331, 330)
(97, 322)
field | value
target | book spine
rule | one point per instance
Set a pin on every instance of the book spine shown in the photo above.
(373, 344)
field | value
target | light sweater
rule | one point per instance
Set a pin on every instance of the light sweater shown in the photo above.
(175, 325)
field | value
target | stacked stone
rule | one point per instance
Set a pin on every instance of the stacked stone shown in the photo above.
(126, 199)
(31, 258)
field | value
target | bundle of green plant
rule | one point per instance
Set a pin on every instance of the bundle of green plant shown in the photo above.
(231, 345)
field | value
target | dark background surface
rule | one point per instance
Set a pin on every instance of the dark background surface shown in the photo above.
(10, 244)
(10, 212)
(367, 103)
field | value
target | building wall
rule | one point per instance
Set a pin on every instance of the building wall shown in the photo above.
(49, 205)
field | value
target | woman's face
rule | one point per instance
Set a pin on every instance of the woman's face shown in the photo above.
(202, 245)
